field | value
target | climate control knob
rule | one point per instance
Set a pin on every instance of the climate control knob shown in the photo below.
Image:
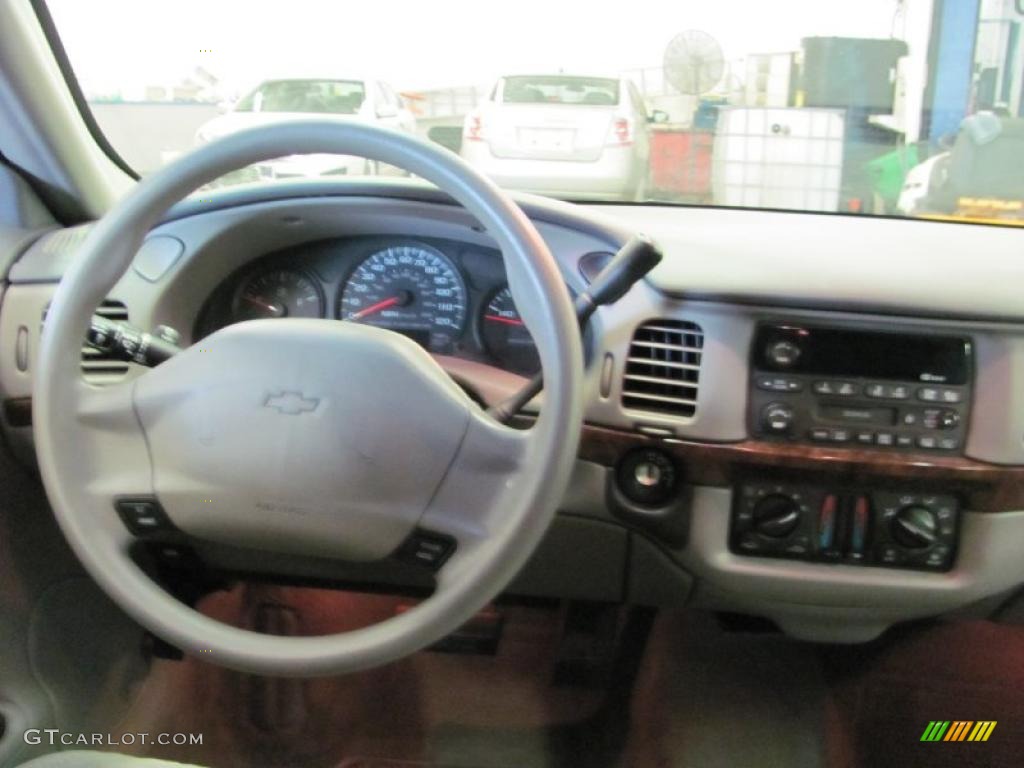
(915, 527)
(776, 516)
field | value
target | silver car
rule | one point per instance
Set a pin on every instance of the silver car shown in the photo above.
(566, 135)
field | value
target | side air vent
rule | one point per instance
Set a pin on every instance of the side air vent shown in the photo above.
(98, 367)
(663, 368)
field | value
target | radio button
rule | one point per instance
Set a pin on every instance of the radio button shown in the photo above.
(927, 441)
(820, 435)
(951, 396)
(779, 384)
(840, 436)
(949, 444)
(928, 394)
(867, 438)
(899, 392)
(824, 388)
(783, 353)
(777, 418)
(877, 391)
(846, 389)
(885, 439)
(904, 441)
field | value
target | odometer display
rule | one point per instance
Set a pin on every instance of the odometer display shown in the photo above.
(412, 289)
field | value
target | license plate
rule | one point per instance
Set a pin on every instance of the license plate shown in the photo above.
(546, 139)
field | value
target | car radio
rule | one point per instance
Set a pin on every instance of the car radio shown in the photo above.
(857, 388)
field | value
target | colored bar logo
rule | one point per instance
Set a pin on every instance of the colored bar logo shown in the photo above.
(958, 730)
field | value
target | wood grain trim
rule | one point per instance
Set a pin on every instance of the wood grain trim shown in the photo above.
(983, 487)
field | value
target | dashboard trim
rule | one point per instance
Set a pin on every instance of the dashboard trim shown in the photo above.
(984, 487)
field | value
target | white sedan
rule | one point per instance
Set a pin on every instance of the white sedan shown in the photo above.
(273, 101)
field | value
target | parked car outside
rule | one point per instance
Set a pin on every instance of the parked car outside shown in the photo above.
(364, 100)
(576, 136)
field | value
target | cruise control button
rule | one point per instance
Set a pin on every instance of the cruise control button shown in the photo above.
(426, 549)
(143, 516)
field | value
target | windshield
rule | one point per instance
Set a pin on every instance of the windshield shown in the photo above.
(882, 107)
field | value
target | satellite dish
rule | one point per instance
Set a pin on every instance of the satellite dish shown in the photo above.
(694, 62)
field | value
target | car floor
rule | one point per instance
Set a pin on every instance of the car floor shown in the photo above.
(706, 694)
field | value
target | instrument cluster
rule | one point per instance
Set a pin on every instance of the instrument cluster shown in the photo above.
(451, 298)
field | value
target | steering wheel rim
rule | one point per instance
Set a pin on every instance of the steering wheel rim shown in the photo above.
(90, 442)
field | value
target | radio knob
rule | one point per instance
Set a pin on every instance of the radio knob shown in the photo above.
(783, 353)
(777, 418)
(776, 516)
(914, 527)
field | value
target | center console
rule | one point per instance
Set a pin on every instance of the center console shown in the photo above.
(856, 388)
(871, 390)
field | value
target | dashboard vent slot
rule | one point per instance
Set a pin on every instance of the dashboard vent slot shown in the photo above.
(663, 368)
(98, 367)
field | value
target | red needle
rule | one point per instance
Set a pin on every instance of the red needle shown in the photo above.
(505, 320)
(272, 308)
(373, 308)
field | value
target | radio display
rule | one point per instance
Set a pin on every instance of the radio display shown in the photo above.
(851, 414)
(864, 354)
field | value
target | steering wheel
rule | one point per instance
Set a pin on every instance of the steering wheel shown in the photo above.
(311, 437)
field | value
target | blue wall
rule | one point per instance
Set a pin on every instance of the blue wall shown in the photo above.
(957, 26)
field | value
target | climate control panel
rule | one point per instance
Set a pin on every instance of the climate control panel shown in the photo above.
(882, 528)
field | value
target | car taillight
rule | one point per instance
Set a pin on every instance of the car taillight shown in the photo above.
(474, 130)
(622, 132)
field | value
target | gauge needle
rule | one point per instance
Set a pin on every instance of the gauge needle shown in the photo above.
(271, 308)
(505, 320)
(374, 308)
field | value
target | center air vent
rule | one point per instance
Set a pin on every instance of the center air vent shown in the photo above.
(663, 367)
(99, 367)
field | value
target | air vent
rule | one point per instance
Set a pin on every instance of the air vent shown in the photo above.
(663, 368)
(98, 367)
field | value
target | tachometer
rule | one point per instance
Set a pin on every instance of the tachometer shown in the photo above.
(412, 289)
(505, 336)
(278, 293)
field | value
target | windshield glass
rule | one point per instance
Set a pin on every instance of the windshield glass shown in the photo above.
(884, 107)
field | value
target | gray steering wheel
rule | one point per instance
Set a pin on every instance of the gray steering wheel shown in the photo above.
(382, 442)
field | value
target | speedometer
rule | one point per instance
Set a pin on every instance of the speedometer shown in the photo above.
(413, 289)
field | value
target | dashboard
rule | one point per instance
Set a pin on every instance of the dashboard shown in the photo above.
(836, 446)
(450, 297)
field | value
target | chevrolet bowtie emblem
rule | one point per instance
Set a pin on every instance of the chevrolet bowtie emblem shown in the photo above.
(292, 403)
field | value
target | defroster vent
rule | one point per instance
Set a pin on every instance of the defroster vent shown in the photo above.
(663, 368)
